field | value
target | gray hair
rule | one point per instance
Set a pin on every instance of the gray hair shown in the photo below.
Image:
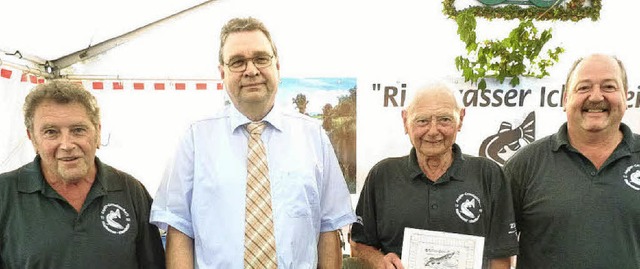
(61, 92)
(248, 24)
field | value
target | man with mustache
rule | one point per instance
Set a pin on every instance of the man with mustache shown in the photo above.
(67, 209)
(576, 197)
(204, 200)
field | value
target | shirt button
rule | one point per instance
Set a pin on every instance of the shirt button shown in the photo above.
(434, 206)
(593, 173)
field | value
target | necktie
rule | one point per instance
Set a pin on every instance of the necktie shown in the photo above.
(260, 243)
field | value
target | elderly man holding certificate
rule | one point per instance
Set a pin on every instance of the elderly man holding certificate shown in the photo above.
(434, 188)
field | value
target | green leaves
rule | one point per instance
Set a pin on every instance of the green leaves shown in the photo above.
(514, 56)
(467, 30)
(573, 10)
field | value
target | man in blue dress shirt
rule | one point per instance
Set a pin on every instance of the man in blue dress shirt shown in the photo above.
(201, 201)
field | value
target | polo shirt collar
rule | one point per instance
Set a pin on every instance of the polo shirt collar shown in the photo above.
(31, 179)
(107, 177)
(451, 174)
(238, 120)
(412, 165)
(561, 138)
(630, 138)
(456, 166)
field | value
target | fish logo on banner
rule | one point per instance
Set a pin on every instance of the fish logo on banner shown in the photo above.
(501, 146)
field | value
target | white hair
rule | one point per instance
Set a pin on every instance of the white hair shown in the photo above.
(439, 85)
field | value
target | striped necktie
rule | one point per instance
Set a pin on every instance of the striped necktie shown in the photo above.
(260, 243)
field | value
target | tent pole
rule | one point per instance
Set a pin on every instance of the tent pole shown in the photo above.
(91, 51)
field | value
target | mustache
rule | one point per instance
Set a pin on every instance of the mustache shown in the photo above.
(602, 105)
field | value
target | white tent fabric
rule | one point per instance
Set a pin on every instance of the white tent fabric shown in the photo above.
(52, 29)
(15, 147)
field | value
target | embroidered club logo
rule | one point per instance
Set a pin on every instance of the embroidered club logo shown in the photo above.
(115, 219)
(632, 176)
(468, 207)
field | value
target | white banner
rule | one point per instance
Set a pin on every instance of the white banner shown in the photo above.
(498, 120)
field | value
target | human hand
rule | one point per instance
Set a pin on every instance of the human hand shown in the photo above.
(392, 261)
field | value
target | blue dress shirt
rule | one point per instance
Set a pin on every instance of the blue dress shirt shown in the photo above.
(203, 191)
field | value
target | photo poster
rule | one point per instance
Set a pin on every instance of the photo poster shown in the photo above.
(333, 102)
(498, 121)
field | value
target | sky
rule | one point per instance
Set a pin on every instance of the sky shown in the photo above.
(319, 91)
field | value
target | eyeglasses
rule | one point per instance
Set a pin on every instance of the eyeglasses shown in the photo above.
(240, 65)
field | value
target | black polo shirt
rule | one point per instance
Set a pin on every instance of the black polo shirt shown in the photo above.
(40, 229)
(572, 215)
(397, 194)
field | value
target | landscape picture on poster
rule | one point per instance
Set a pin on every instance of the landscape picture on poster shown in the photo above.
(333, 102)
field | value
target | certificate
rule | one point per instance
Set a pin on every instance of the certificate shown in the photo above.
(422, 249)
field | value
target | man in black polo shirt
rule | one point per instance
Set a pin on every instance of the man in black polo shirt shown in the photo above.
(577, 192)
(436, 187)
(66, 209)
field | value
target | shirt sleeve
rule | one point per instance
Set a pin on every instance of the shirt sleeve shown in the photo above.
(514, 181)
(149, 250)
(501, 239)
(364, 230)
(172, 203)
(336, 207)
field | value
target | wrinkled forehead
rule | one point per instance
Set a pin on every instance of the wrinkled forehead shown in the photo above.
(65, 110)
(428, 108)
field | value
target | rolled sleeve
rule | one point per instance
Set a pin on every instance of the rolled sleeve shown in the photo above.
(171, 206)
(337, 210)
